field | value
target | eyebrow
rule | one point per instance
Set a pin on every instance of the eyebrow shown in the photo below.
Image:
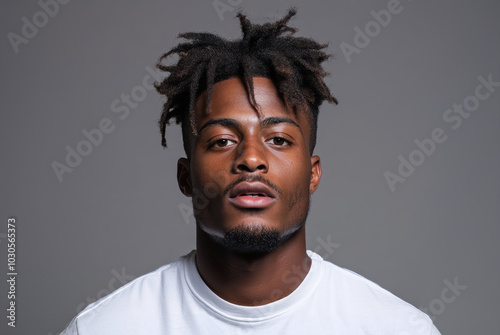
(269, 121)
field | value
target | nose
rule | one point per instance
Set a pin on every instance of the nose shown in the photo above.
(250, 157)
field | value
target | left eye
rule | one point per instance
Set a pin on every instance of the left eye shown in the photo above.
(280, 141)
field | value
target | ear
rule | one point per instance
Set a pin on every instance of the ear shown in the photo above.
(315, 174)
(184, 176)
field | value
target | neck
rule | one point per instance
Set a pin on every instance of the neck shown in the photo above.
(252, 280)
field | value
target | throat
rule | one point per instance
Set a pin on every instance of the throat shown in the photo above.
(251, 280)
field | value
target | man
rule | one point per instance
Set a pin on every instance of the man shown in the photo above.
(248, 110)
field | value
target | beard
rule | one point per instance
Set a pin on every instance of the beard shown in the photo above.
(247, 240)
(256, 240)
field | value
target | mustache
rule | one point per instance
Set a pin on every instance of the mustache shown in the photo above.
(251, 178)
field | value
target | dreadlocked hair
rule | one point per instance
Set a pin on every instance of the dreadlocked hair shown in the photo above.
(265, 50)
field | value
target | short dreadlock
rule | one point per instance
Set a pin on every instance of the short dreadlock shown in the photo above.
(268, 50)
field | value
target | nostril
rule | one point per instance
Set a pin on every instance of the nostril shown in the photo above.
(243, 167)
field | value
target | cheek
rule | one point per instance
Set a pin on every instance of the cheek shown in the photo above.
(299, 197)
(297, 172)
(209, 181)
(296, 182)
(212, 168)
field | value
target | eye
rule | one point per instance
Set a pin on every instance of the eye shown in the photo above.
(280, 141)
(223, 142)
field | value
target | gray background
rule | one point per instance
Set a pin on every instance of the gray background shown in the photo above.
(118, 211)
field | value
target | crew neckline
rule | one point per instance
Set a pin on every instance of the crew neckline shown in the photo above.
(241, 313)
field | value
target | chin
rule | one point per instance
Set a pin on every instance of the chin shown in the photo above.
(255, 239)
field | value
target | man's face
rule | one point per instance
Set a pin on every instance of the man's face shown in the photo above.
(250, 177)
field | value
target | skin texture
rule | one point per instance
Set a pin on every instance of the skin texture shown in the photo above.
(234, 145)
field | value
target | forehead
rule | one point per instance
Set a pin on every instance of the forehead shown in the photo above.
(230, 99)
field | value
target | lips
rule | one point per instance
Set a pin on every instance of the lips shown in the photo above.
(251, 195)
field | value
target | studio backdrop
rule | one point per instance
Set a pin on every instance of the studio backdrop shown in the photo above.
(410, 192)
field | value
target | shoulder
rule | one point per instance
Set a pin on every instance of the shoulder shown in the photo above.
(134, 304)
(363, 302)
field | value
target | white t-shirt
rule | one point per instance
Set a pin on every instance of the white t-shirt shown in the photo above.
(175, 300)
